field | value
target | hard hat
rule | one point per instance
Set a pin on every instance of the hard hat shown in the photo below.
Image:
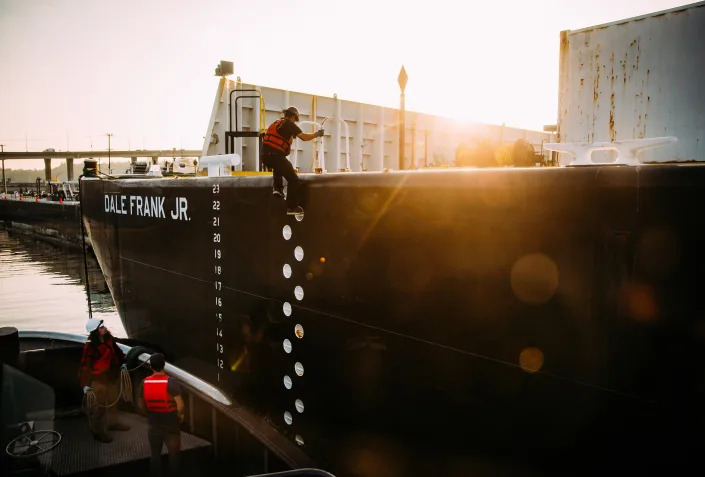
(292, 110)
(93, 324)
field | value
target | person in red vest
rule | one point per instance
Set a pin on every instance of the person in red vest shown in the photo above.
(100, 367)
(276, 146)
(160, 397)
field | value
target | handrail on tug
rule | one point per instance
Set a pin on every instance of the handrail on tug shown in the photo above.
(297, 473)
(183, 376)
(290, 454)
(628, 151)
(293, 457)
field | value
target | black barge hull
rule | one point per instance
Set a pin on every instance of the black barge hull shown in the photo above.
(456, 322)
(58, 222)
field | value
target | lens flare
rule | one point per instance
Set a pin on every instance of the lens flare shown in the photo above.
(534, 278)
(531, 359)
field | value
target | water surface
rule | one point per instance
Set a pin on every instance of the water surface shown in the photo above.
(42, 287)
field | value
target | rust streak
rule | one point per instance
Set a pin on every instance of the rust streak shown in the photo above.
(613, 133)
(596, 83)
(624, 69)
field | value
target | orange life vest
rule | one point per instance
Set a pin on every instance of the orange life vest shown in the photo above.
(156, 396)
(272, 138)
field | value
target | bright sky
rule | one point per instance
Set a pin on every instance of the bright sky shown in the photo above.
(74, 70)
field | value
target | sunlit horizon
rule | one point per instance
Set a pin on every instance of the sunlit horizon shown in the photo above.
(144, 72)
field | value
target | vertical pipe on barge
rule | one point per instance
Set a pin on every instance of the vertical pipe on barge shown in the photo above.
(238, 114)
(412, 165)
(255, 111)
(336, 134)
(379, 145)
(358, 141)
(430, 141)
(316, 144)
(402, 130)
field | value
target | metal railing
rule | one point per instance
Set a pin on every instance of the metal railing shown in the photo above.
(291, 456)
(183, 376)
(298, 473)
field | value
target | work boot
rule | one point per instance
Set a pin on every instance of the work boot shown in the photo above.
(277, 193)
(118, 426)
(295, 211)
(103, 438)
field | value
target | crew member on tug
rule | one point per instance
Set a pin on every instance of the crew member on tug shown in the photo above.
(99, 376)
(160, 397)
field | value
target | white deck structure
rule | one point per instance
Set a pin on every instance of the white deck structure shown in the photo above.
(358, 136)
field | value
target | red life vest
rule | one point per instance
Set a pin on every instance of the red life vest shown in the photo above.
(272, 138)
(104, 361)
(156, 396)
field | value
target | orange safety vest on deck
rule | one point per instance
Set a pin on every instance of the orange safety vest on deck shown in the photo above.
(156, 396)
(272, 138)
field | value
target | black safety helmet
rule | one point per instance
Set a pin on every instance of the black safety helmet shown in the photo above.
(291, 111)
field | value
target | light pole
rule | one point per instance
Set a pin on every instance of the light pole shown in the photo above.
(4, 182)
(110, 172)
(402, 79)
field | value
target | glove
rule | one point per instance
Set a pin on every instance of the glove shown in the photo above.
(86, 389)
(320, 132)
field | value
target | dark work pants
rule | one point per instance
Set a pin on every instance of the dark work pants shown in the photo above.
(281, 167)
(106, 392)
(171, 436)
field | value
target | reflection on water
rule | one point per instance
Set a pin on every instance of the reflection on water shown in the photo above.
(42, 287)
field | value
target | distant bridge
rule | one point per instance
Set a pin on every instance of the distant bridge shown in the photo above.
(92, 154)
(48, 155)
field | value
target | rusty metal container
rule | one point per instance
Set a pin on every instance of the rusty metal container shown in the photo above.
(636, 78)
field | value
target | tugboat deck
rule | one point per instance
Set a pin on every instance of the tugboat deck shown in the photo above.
(78, 452)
